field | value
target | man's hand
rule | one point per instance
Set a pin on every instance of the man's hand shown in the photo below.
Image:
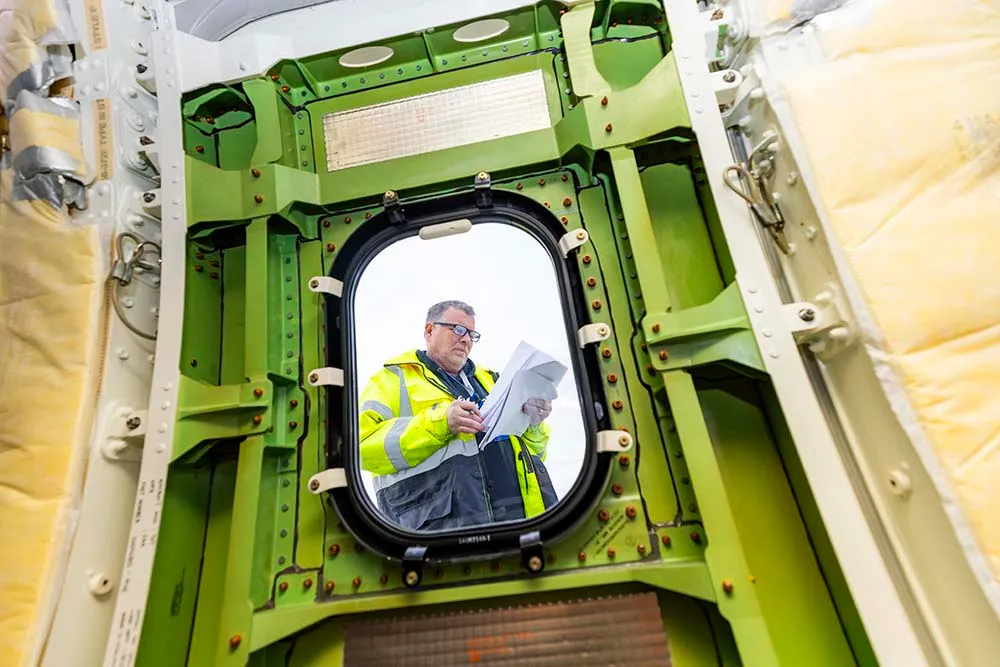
(464, 417)
(537, 410)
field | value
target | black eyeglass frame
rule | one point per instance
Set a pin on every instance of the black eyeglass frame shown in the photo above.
(474, 335)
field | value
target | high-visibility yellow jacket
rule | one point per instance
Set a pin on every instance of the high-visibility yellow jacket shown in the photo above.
(427, 478)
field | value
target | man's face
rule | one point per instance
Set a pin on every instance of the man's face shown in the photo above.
(443, 346)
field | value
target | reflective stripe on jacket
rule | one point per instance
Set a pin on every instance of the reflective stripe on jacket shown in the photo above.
(427, 478)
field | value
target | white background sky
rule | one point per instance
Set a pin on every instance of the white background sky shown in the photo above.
(508, 278)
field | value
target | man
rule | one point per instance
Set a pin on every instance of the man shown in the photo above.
(419, 420)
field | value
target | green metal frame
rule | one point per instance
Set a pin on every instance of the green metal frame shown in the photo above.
(250, 563)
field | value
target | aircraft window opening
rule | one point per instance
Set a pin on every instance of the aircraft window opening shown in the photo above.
(366, 56)
(480, 31)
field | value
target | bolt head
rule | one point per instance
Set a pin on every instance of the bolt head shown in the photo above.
(257, 419)
(283, 586)
(259, 199)
(729, 76)
(665, 540)
(357, 582)
(258, 392)
(412, 578)
(235, 641)
(727, 587)
(603, 515)
(611, 552)
(255, 172)
(314, 377)
(314, 283)
(307, 584)
(608, 127)
(535, 564)
(582, 556)
(314, 485)
(807, 314)
(581, 235)
(329, 586)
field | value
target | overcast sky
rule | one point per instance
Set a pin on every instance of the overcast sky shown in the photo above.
(508, 278)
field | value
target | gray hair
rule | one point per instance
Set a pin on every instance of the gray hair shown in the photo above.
(437, 311)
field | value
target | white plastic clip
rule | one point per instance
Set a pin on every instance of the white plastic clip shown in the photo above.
(726, 83)
(592, 333)
(572, 240)
(334, 478)
(151, 203)
(326, 285)
(613, 441)
(327, 377)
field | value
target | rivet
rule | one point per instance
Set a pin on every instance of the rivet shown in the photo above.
(333, 550)
(656, 328)
(213, 275)
(617, 489)
(519, 186)
(596, 305)
(587, 259)
(258, 392)
(617, 405)
(326, 223)
(663, 355)
(582, 556)
(368, 216)
(329, 586)
(307, 584)
(293, 425)
(283, 586)
(611, 552)
(198, 268)
(199, 149)
(259, 199)
(727, 587)
(650, 370)
(608, 127)
(347, 220)
(234, 642)
(606, 353)
(623, 461)
(602, 515)
(330, 247)
(541, 181)
(641, 548)
(357, 582)
(294, 403)
(257, 419)
(547, 205)
(565, 177)
(665, 540)
(630, 511)
(567, 201)
(564, 220)
(696, 537)
(591, 282)
(285, 89)
(255, 172)
(612, 378)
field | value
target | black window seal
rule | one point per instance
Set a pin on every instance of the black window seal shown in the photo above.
(356, 510)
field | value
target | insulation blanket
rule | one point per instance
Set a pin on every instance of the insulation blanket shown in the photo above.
(902, 132)
(50, 298)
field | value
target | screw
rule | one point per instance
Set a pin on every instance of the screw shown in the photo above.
(617, 405)
(663, 355)
(606, 353)
(333, 550)
(582, 556)
(727, 586)
(283, 586)
(608, 127)
(641, 548)
(596, 305)
(329, 586)
(611, 552)
(612, 378)
(807, 314)
(535, 564)
(357, 582)
(259, 199)
(623, 461)
(591, 282)
(313, 484)
(666, 540)
(258, 392)
(656, 328)
(234, 642)
(604, 101)
(603, 515)
(696, 537)
(729, 76)
(616, 489)
(132, 423)
(149, 197)
(257, 419)
(630, 511)
(586, 259)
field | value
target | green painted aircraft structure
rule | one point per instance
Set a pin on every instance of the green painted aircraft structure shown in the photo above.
(710, 510)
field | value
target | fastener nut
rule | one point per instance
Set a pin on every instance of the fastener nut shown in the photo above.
(617, 405)
(329, 586)
(257, 419)
(357, 582)
(617, 489)
(535, 564)
(333, 550)
(258, 392)
(283, 586)
(606, 353)
(411, 578)
(623, 461)
(587, 259)
(235, 641)
(727, 587)
(314, 485)
(307, 584)
(567, 201)
(603, 515)
(630, 511)
(591, 282)
(612, 378)
(259, 199)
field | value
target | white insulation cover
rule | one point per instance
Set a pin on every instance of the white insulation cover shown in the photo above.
(901, 128)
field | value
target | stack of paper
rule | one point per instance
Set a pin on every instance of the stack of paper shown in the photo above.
(530, 373)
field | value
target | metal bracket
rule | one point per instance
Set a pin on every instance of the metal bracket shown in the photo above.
(821, 324)
(532, 554)
(726, 84)
(333, 478)
(145, 76)
(572, 240)
(149, 152)
(151, 203)
(125, 436)
(484, 192)
(327, 377)
(326, 285)
(413, 565)
(592, 333)
(390, 201)
(613, 441)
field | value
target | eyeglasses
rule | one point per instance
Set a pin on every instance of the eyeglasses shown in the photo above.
(460, 330)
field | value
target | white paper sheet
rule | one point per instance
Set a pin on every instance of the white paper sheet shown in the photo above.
(530, 373)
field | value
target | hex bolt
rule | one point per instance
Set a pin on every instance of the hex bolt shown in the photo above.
(617, 405)
(606, 353)
(329, 586)
(729, 76)
(567, 201)
(617, 489)
(255, 172)
(630, 511)
(641, 548)
(333, 550)
(582, 557)
(727, 587)
(666, 540)
(259, 199)
(564, 220)
(603, 515)
(623, 461)
(807, 314)
(611, 552)
(596, 305)
(604, 101)
(663, 355)
(314, 485)
(283, 586)
(696, 537)
(612, 378)
(608, 127)
(357, 582)
(234, 642)
(307, 584)
(587, 259)
(257, 419)
(258, 392)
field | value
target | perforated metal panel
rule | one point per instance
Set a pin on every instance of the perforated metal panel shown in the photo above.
(445, 119)
(625, 631)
